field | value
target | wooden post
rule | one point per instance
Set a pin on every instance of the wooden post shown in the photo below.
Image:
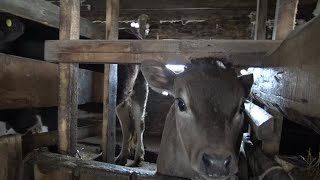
(285, 18)
(272, 146)
(68, 77)
(10, 157)
(110, 87)
(261, 19)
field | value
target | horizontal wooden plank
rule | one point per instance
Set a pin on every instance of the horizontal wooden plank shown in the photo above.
(34, 141)
(238, 52)
(49, 164)
(47, 13)
(139, 5)
(27, 82)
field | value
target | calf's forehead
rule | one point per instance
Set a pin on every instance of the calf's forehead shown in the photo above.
(220, 90)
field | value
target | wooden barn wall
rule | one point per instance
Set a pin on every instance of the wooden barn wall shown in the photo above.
(195, 19)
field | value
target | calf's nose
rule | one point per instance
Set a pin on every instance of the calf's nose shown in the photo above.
(215, 165)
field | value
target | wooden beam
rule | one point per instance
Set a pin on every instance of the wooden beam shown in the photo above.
(53, 166)
(35, 141)
(47, 13)
(191, 4)
(261, 19)
(292, 87)
(271, 146)
(110, 87)
(260, 121)
(238, 52)
(26, 83)
(10, 157)
(285, 18)
(68, 80)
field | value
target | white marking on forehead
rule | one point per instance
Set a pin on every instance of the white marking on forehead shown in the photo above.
(165, 93)
(220, 64)
(176, 68)
(244, 72)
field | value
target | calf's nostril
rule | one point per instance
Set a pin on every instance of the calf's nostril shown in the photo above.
(227, 162)
(207, 160)
(216, 165)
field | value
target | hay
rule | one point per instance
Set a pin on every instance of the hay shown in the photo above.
(313, 166)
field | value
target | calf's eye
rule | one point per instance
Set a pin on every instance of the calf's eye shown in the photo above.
(182, 106)
(241, 110)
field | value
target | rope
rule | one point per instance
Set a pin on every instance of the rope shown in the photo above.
(266, 172)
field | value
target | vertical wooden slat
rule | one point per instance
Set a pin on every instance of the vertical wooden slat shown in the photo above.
(272, 146)
(68, 77)
(261, 19)
(285, 18)
(110, 87)
(10, 157)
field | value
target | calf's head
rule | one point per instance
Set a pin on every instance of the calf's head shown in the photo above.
(207, 112)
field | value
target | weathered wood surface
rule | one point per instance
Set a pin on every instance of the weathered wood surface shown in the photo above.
(161, 5)
(260, 121)
(34, 141)
(271, 146)
(110, 87)
(261, 19)
(300, 49)
(53, 166)
(10, 157)
(285, 18)
(293, 87)
(238, 52)
(31, 83)
(47, 13)
(68, 80)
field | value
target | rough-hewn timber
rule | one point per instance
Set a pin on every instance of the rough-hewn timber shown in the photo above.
(110, 87)
(29, 83)
(293, 87)
(56, 167)
(47, 13)
(10, 157)
(34, 141)
(68, 80)
(261, 19)
(260, 121)
(285, 18)
(238, 52)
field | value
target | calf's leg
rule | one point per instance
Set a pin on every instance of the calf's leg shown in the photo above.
(123, 113)
(139, 102)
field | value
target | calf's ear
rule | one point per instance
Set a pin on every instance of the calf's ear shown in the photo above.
(246, 81)
(159, 78)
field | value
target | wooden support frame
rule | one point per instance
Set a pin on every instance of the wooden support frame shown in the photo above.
(237, 52)
(285, 18)
(110, 87)
(68, 74)
(47, 13)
